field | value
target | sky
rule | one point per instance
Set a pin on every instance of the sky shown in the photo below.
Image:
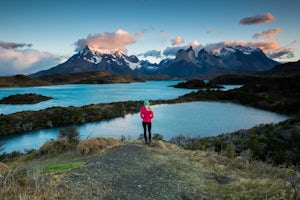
(39, 34)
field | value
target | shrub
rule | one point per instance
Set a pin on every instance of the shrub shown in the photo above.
(94, 145)
(182, 141)
(55, 147)
(157, 136)
(123, 138)
(141, 137)
(1, 146)
(70, 133)
(4, 170)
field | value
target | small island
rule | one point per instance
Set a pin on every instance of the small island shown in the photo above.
(24, 99)
(197, 84)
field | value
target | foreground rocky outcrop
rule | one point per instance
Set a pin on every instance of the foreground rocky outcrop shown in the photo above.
(132, 170)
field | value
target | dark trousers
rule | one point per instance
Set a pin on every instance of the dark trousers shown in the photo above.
(145, 126)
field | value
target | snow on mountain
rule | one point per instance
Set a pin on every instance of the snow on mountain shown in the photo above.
(228, 50)
(237, 59)
(96, 56)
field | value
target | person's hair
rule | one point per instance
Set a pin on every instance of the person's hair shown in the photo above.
(146, 102)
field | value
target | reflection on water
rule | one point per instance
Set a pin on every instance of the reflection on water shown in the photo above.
(191, 119)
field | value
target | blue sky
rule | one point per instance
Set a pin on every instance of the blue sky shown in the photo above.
(39, 34)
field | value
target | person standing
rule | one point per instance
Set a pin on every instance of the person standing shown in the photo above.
(147, 114)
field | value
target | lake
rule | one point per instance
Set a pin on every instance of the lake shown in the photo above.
(85, 94)
(189, 119)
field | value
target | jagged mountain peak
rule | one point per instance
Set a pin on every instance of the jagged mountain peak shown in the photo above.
(95, 51)
(247, 50)
(239, 59)
(187, 55)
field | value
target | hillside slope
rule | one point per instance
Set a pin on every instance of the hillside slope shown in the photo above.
(132, 170)
(21, 81)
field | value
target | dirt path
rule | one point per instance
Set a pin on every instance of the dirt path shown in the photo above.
(130, 171)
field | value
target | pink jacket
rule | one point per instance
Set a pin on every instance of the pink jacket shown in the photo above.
(146, 114)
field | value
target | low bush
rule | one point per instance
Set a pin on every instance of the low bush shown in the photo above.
(55, 147)
(94, 145)
(157, 136)
(70, 133)
(4, 170)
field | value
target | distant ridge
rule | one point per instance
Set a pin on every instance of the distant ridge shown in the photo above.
(88, 78)
(21, 81)
(283, 70)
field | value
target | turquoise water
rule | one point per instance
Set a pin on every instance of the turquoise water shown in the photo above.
(170, 120)
(190, 119)
(85, 94)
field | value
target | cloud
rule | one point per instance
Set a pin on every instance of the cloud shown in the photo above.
(285, 52)
(26, 61)
(210, 31)
(258, 19)
(111, 41)
(282, 54)
(272, 49)
(177, 40)
(194, 43)
(152, 53)
(12, 45)
(270, 34)
(171, 51)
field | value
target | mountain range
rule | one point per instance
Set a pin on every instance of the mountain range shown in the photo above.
(237, 59)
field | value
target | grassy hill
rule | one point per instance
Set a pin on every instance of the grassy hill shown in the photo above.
(67, 78)
(100, 168)
(21, 81)
(88, 78)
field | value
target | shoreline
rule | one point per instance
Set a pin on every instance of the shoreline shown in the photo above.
(258, 94)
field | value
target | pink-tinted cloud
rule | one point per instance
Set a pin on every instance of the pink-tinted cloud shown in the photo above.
(13, 45)
(110, 41)
(194, 43)
(25, 61)
(270, 34)
(272, 49)
(258, 19)
(283, 52)
(177, 40)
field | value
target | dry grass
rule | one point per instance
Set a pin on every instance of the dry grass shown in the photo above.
(94, 145)
(196, 174)
(55, 147)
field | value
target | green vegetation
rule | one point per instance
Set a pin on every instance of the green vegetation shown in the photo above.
(280, 95)
(197, 84)
(24, 99)
(64, 167)
(278, 144)
(96, 77)
(62, 116)
(21, 81)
